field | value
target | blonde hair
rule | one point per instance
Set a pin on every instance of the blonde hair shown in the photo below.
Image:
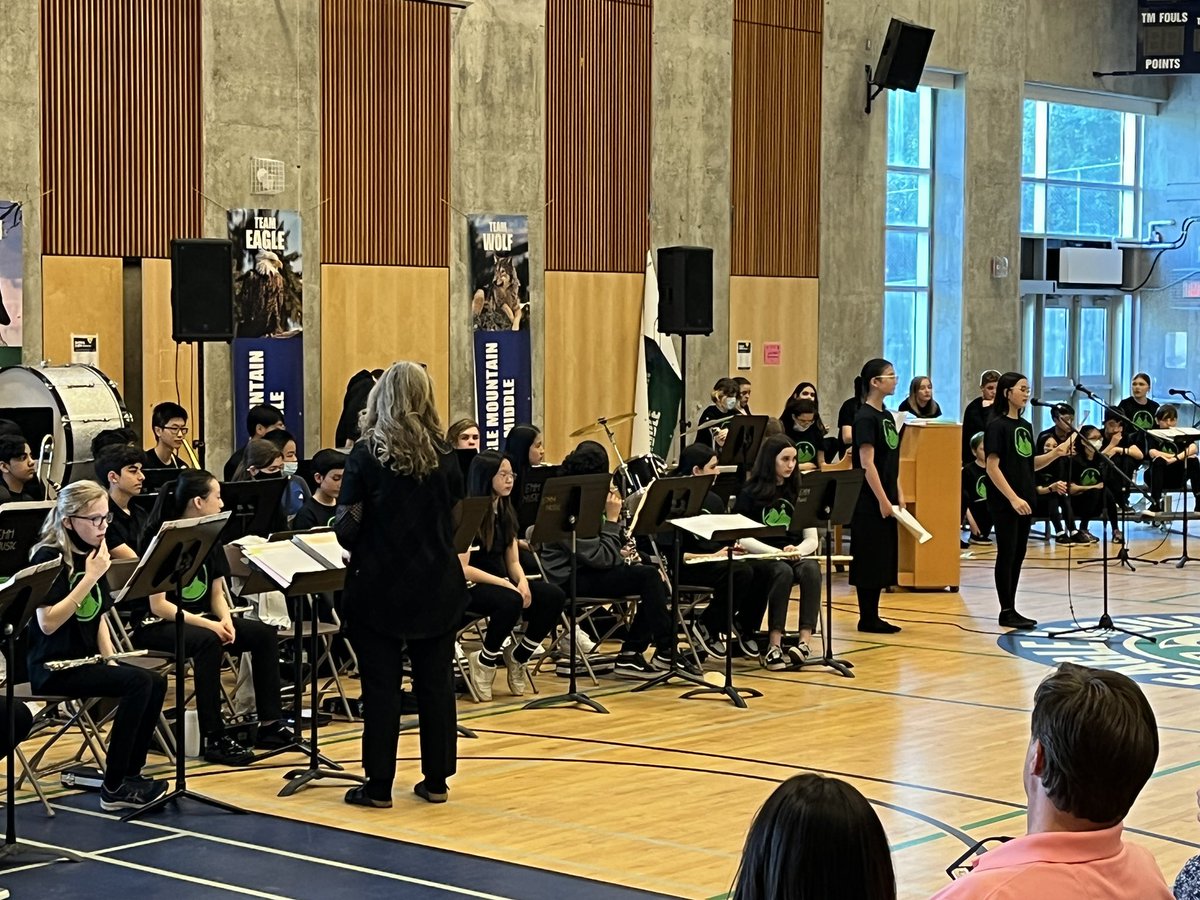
(400, 425)
(73, 499)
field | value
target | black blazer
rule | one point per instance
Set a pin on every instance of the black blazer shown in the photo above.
(404, 578)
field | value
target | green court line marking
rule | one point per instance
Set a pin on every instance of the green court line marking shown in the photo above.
(1173, 769)
(994, 819)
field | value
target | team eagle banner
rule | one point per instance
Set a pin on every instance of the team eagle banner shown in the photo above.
(500, 315)
(268, 305)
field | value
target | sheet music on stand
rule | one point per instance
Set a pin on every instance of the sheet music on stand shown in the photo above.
(707, 525)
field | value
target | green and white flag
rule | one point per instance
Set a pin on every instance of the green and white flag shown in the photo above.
(659, 386)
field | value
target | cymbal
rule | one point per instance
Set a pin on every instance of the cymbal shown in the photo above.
(599, 424)
(711, 423)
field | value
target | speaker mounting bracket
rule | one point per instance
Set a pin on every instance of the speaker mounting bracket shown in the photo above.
(873, 91)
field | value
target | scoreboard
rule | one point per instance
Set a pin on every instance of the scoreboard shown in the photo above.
(1168, 37)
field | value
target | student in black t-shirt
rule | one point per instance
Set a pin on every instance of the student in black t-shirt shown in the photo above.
(18, 478)
(169, 421)
(874, 554)
(209, 629)
(801, 425)
(500, 589)
(1053, 482)
(978, 412)
(259, 420)
(1126, 455)
(120, 470)
(846, 413)
(744, 390)
(70, 624)
(321, 508)
(724, 404)
(1171, 466)
(1011, 465)
(974, 494)
(463, 434)
(1089, 476)
(1138, 407)
(920, 402)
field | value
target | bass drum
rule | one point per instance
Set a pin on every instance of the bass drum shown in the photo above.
(642, 471)
(70, 404)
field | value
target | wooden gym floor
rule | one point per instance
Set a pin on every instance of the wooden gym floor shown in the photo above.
(658, 794)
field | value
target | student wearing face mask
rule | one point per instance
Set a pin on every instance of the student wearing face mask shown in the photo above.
(262, 460)
(724, 404)
(296, 494)
(802, 427)
(1089, 499)
(976, 416)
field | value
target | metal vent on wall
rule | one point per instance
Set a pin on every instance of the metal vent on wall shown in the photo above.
(266, 176)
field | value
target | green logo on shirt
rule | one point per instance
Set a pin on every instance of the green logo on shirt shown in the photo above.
(90, 608)
(198, 588)
(981, 487)
(1143, 420)
(1023, 441)
(1089, 477)
(890, 434)
(805, 452)
(780, 513)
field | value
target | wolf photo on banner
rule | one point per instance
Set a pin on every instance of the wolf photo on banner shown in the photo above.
(11, 275)
(500, 318)
(268, 292)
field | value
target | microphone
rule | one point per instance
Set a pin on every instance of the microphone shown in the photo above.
(1176, 392)
(1084, 390)
(1034, 401)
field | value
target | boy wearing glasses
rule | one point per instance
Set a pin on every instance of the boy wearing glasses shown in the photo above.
(169, 421)
(17, 468)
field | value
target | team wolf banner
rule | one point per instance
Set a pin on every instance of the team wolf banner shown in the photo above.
(11, 279)
(659, 387)
(500, 313)
(268, 305)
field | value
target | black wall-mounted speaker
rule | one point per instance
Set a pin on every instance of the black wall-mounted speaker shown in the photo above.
(902, 59)
(685, 290)
(201, 290)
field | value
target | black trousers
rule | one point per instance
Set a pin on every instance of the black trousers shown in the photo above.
(380, 665)
(1095, 505)
(652, 622)
(1054, 508)
(140, 695)
(204, 649)
(1119, 487)
(1012, 539)
(23, 722)
(502, 607)
(982, 516)
(715, 575)
(1163, 476)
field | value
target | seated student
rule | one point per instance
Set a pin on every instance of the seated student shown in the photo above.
(974, 495)
(169, 421)
(978, 411)
(525, 449)
(120, 470)
(114, 437)
(209, 628)
(499, 588)
(769, 497)
(18, 478)
(919, 402)
(1089, 499)
(1126, 455)
(744, 390)
(259, 420)
(846, 413)
(463, 435)
(724, 404)
(815, 837)
(263, 460)
(607, 570)
(71, 624)
(1093, 747)
(802, 426)
(1171, 468)
(1054, 481)
(320, 509)
(296, 494)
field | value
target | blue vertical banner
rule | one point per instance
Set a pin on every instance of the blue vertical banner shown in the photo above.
(268, 290)
(500, 314)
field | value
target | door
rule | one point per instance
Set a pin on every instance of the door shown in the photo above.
(1073, 344)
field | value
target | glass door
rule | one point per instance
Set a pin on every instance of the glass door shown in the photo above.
(1074, 343)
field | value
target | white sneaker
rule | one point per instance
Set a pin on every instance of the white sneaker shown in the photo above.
(518, 678)
(481, 676)
(582, 642)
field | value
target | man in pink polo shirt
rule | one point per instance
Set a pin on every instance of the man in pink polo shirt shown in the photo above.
(1093, 746)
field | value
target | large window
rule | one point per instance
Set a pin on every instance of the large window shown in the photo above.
(908, 233)
(1080, 172)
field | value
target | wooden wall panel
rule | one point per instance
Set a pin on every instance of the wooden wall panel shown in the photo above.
(165, 375)
(385, 132)
(83, 295)
(121, 126)
(804, 15)
(782, 310)
(593, 320)
(375, 315)
(776, 148)
(598, 134)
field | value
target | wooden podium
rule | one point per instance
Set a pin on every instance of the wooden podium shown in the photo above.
(930, 467)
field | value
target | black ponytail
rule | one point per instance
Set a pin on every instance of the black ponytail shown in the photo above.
(176, 495)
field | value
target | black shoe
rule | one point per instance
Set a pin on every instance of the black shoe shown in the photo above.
(131, 794)
(1010, 618)
(274, 736)
(1117, 536)
(357, 796)
(422, 790)
(980, 541)
(962, 545)
(1064, 537)
(662, 662)
(633, 665)
(1154, 507)
(225, 751)
(878, 626)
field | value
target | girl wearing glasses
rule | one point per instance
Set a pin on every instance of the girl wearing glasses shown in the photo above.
(70, 624)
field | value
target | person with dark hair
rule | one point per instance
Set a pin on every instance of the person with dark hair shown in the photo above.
(919, 402)
(1126, 455)
(977, 413)
(9, 428)
(1171, 467)
(114, 437)
(209, 629)
(815, 838)
(806, 390)
(260, 459)
(724, 404)
(119, 469)
(1053, 501)
(846, 413)
(463, 435)
(1011, 468)
(874, 554)
(974, 495)
(169, 423)
(321, 508)
(18, 472)
(1092, 748)
(1089, 476)
(354, 402)
(744, 390)
(800, 424)
(259, 420)
(769, 496)
(608, 570)
(525, 449)
(296, 494)
(1138, 407)
(500, 589)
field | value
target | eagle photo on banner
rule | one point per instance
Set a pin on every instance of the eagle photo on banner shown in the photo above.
(268, 285)
(11, 277)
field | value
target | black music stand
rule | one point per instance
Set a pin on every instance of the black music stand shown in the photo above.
(19, 526)
(826, 499)
(570, 508)
(748, 528)
(530, 500)
(254, 507)
(667, 499)
(172, 560)
(744, 436)
(20, 597)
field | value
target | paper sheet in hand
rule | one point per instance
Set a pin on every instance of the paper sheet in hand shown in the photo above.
(910, 523)
(708, 525)
(283, 561)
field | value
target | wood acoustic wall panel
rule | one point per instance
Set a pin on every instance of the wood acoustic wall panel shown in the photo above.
(83, 295)
(804, 15)
(375, 315)
(781, 310)
(598, 135)
(593, 326)
(168, 369)
(776, 150)
(121, 126)
(385, 132)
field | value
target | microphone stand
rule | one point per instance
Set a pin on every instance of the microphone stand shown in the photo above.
(1190, 398)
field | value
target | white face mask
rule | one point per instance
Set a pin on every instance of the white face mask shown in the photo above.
(1096, 443)
(731, 403)
(289, 468)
